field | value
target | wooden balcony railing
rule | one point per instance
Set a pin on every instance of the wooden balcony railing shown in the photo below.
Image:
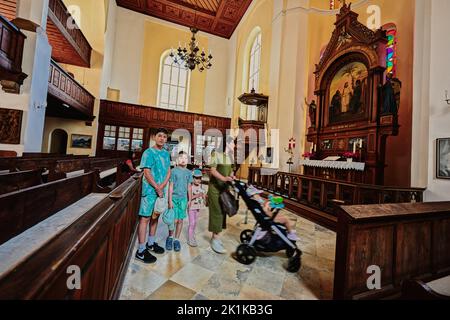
(318, 198)
(68, 42)
(68, 91)
(11, 53)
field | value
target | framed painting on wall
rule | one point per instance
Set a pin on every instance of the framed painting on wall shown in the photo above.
(443, 158)
(81, 141)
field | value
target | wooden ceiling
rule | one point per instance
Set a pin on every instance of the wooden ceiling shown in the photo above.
(218, 17)
(8, 9)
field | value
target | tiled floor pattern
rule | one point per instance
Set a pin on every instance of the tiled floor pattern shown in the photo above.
(199, 273)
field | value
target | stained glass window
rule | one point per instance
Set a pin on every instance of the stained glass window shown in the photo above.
(391, 50)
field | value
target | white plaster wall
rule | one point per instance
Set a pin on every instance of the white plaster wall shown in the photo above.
(33, 93)
(38, 94)
(439, 113)
(231, 74)
(127, 58)
(110, 40)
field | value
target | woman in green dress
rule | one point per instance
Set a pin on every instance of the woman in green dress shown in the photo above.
(222, 172)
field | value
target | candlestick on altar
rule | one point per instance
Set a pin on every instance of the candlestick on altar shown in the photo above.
(354, 147)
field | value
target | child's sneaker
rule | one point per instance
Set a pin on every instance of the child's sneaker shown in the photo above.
(169, 244)
(293, 236)
(155, 248)
(192, 242)
(176, 246)
(145, 257)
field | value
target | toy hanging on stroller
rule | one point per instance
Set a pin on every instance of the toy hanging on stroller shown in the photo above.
(268, 236)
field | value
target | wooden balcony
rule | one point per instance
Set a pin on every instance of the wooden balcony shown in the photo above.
(11, 53)
(68, 42)
(148, 118)
(66, 97)
(145, 116)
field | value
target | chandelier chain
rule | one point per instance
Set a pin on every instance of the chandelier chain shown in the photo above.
(190, 57)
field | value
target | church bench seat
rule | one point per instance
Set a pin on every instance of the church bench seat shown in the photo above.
(99, 241)
(14, 181)
(23, 245)
(22, 209)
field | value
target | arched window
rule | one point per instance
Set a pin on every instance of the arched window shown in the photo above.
(255, 64)
(391, 49)
(173, 85)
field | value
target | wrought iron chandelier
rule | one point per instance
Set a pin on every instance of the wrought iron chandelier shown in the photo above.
(190, 57)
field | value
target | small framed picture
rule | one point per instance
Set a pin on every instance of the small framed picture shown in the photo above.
(81, 141)
(443, 158)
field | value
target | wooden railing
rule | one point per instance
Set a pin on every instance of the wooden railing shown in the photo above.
(66, 89)
(145, 116)
(390, 243)
(63, 20)
(318, 198)
(11, 53)
(99, 243)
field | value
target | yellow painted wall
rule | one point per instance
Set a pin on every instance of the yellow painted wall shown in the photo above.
(71, 127)
(260, 16)
(93, 21)
(159, 38)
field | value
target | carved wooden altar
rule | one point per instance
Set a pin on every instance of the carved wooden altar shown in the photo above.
(350, 88)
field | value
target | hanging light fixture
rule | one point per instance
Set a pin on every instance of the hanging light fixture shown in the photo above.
(189, 57)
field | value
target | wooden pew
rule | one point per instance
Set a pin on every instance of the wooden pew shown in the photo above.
(406, 241)
(23, 209)
(100, 243)
(31, 163)
(20, 180)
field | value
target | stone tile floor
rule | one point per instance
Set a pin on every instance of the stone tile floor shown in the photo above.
(199, 273)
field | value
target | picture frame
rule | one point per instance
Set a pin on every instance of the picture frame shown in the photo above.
(81, 141)
(443, 158)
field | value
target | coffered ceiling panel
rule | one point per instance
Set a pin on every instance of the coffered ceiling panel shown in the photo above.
(218, 17)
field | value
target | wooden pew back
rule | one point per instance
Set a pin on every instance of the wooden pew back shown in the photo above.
(14, 181)
(100, 243)
(405, 241)
(23, 209)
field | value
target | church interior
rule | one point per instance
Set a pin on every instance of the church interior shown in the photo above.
(339, 109)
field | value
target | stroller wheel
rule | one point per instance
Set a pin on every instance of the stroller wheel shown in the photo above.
(290, 252)
(295, 262)
(246, 236)
(245, 254)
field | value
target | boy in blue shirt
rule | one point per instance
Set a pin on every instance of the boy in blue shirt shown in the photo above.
(156, 165)
(180, 180)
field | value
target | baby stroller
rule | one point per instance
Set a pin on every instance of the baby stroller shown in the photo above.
(275, 239)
